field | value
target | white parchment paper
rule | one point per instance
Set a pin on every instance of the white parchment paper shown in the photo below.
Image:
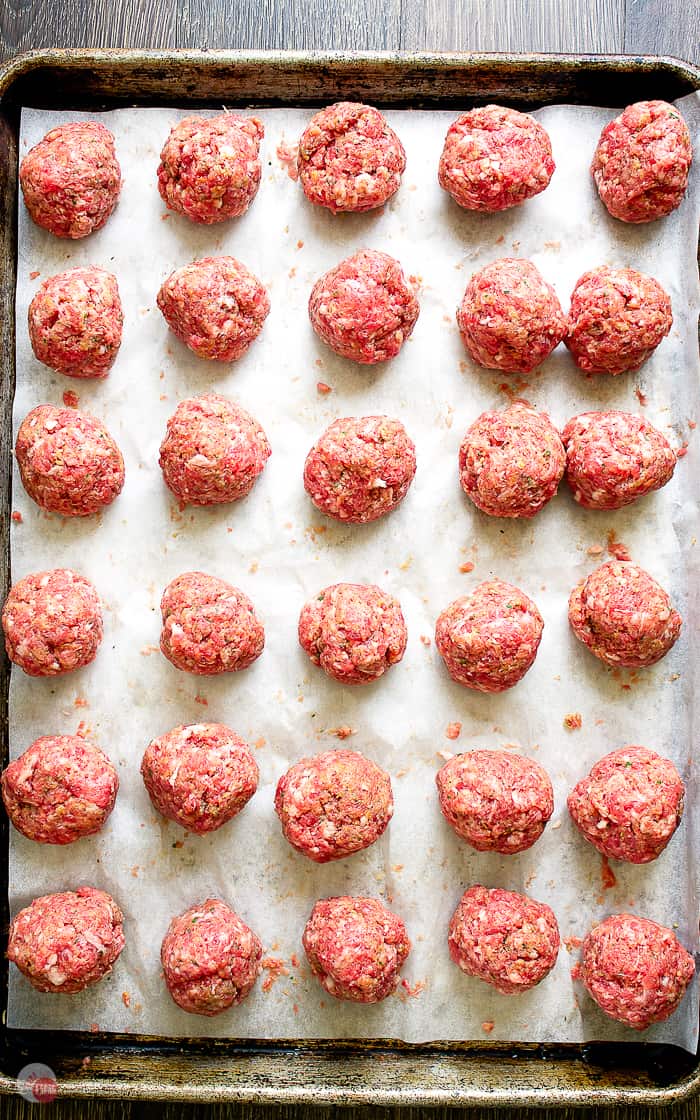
(280, 550)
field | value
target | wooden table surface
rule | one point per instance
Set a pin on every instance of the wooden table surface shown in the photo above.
(665, 27)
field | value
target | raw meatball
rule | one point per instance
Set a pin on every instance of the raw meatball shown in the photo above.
(209, 169)
(510, 318)
(212, 452)
(630, 804)
(61, 789)
(495, 158)
(216, 306)
(360, 468)
(68, 461)
(210, 958)
(504, 938)
(75, 322)
(199, 776)
(511, 462)
(363, 308)
(495, 800)
(617, 319)
(71, 179)
(489, 638)
(349, 158)
(635, 970)
(624, 616)
(356, 948)
(333, 804)
(66, 942)
(52, 622)
(613, 458)
(642, 161)
(209, 626)
(353, 631)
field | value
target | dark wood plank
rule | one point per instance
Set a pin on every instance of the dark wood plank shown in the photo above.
(660, 27)
(292, 24)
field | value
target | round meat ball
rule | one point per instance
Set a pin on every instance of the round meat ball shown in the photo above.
(52, 622)
(209, 170)
(356, 948)
(510, 318)
(65, 942)
(489, 638)
(333, 804)
(511, 461)
(209, 626)
(495, 158)
(199, 776)
(210, 958)
(641, 164)
(630, 804)
(61, 789)
(363, 308)
(504, 938)
(623, 616)
(216, 306)
(68, 461)
(360, 468)
(349, 158)
(213, 451)
(495, 800)
(614, 458)
(353, 631)
(617, 319)
(636, 970)
(71, 179)
(75, 322)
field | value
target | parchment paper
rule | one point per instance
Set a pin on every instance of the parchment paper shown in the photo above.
(280, 550)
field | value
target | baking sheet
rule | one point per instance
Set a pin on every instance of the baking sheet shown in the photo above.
(280, 550)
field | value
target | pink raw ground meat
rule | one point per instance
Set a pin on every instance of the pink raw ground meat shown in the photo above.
(75, 322)
(355, 632)
(52, 622)
(356, 948)
(614, 458)
(209, 626)
(349, 158)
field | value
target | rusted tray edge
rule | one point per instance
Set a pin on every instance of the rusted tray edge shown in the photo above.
(282, 1074)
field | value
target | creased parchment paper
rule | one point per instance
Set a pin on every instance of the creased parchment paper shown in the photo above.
(280, 550)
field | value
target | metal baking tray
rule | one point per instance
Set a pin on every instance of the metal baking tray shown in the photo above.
(384, 1072)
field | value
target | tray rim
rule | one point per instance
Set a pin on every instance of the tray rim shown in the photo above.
(251, 1086)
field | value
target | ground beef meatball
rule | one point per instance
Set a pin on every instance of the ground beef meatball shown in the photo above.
(75, 322)
(630, 804)
(68, 461)
(489, 638)
(504, 938)
(333, 804)
(61, 789)
(66, 942)
(511, 462)
(617, 319)
(356, 948)
(360, 468)
(52, 622)
(209, 626)
(349, 158)
(210, 958)
(71, 179)
(199, 776)
(641, 164)
(510, 318)
(495, 800)
(636, 970)
(624, 616)
(495, 158)
(363, 308)
(213, 451)
(353, 631)
(613, 458)
(209, 169)
(216, 306)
